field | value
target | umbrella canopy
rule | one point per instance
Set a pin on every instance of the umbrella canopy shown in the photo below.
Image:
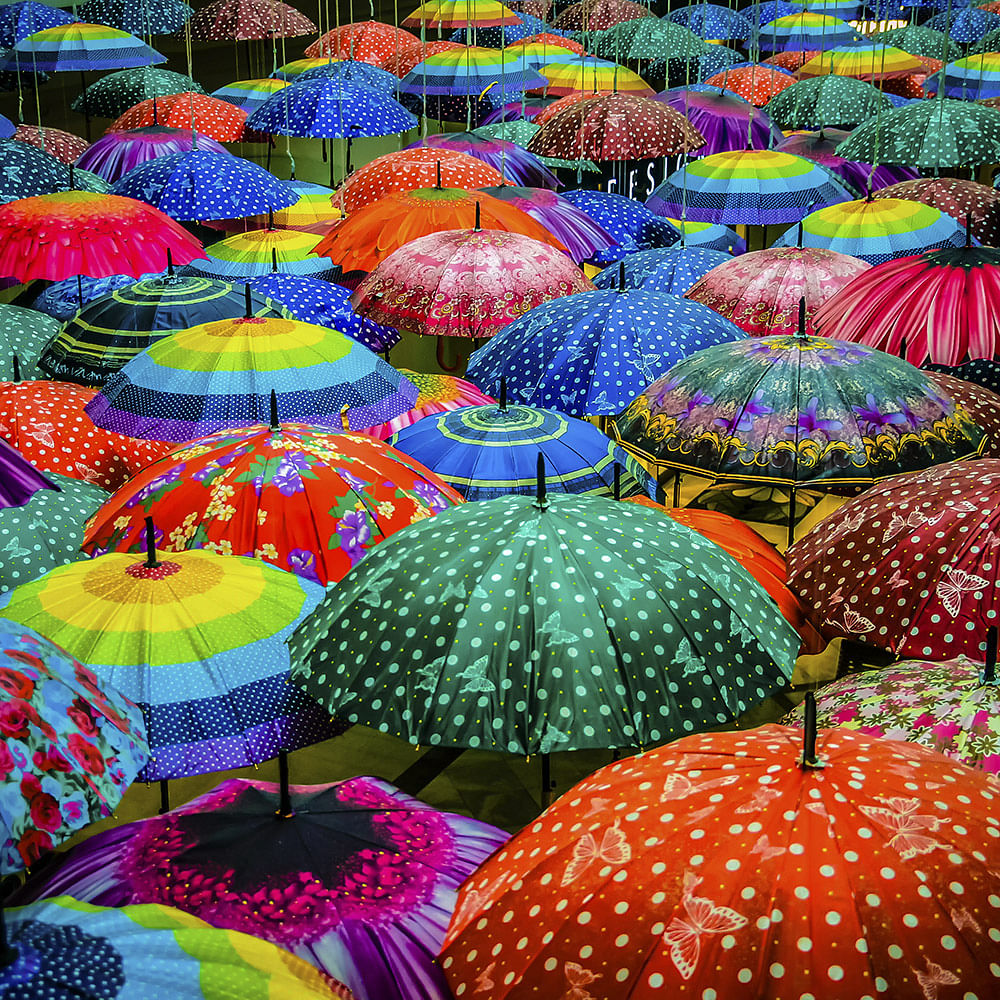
(239, 20)
(632, 226)
(115, 154)
(19, 479)
(333, 853)
(712, 20)
(28, 171)
(71, 747)
(465, 282)
(668, 269)
(109, 331)
(599, 15)
(56, 236)
(78, 46)
(756, 84)
(221, 374)
(935, 528)
(415, 168)
(461, 14)
(151, 17)
(518, 165)
(62, 299)
(369, 42)
(407, 56)
(826, 101)
(920, 40)
(24, 334)
(647, 38)
(521, 131)
(305, 499)
(965, 26)
(313, 207)
(445, 682)
(112, 95)
(218, 119)
(934, 306)
(876, 230)
(804, 32)
(756, 187)
(355, 72)
(471, 70)
(797, 411)
(709, 236)
(585, 75)
(18, 20)
(974, 205)
(491, 451)
(74, 949)
(761, 291)
(200, 185)
(64, 146)
(592, 354)
(863, 62)
(249, 94)
(258, 252)
(727, 122)
(970, 78)
(981, 403)
(733, 868)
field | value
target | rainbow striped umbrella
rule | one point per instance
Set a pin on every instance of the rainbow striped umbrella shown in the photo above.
(249, 94)
(258, 252)
(709, 236)
(471, 70)
(589, 75)
(314, 205)
(863, 62)
(538, 54)
(805, 32)
(291, 71)
(846, 10)
(81, 47)
(877, 230)
(973, 78)
(461, 14)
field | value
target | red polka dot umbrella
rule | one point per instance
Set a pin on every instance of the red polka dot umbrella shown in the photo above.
(599, 15)
(545, 38)
(565, 102)
(218, 119)
(401, 62)
(616, 127)
(961, 199)
(248, 19)
(64, 146)
(46, 422)
(982, 404)
(756, 84)
(760, 291)
(721, 868)
(415, 168)
(911, 565)
(789, 60)
(365, 41)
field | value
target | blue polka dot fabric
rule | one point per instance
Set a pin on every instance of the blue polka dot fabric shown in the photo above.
(592, 353)
(358, 74)
(965, 26)
(668, 269)
(770, 10)
(501, 35)
(18, 20)
(709, 20)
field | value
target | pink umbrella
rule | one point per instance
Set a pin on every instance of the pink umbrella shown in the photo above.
(760, 291)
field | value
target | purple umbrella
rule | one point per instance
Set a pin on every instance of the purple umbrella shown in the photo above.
(19, 479)
(514, 162)
(723, 119)
(116, 153)
(516, 110)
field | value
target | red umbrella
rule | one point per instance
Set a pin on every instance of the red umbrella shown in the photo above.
(974, 205)
(982, 404)
(64, 146)
(616, 127)
(209, 116)
(568, 101)
(756, 84)
(466, 283)
(760, 291)
(722, 867)
(365, 41)
(240, 20)
(401, 62)
(599, 15)
(790, 60)
(941, 306)
(56, 236)
(912, 565)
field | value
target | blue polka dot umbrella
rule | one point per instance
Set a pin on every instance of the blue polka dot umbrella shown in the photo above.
(769, 10)
(205, 185)
(27, 170)
(360, 74)
(709, 20)
(146, 17)
(18, 20)
(594, 353)
(667, 269)
(965, 26)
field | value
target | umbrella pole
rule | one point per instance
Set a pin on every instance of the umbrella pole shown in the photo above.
(86, 104)
(164, 796)
(284, 810)
(548, 784)
(791, 516)
(677, 490)
(8, 953)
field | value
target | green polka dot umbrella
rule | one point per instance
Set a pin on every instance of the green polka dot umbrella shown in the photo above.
(827, 101)
(23, 334)
(920, 41)
(530, 626)
(114, 94)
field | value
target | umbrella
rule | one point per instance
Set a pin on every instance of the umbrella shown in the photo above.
(919, 40)
(64, 146)
(314, 206)
(727, 122)
(514, 163)
(305, 499)
(711, 20)
(471, 70)
(70, 747)
(460, 14)
(407, 56)
(260, 251)
(931, 532)
(361, 74)
(592, 354)
(151, 17)
(202, 184)
(755, 187)
(863, 62)
(550, 593)
(19, 479)
(876, 230)
(114, 155)
(367, 41)
(599, 15)
(756, 84)
(790, 61)
(162, 630)
(115, 93)
(110, 330)
(972, 78)
(725, 864)
(18, 20)
(184, 386)
(805, 31)
(465, 282)
(210, 116)
(249, 94)
(709, 236)
(799, 411)
(667, 269)
(46, 422)
(577, 231)
(965, 26)
(981, 404)
(526, 109)
(332, 856)
(520, 131)
(78, 46)
(616, 127)
(765, 11)
(491, 451)
(28, 171)
(436, 394)
(761, 292)
(238, 20)
(586, 75)
(974, 205)
(62, 299)
(23, 334)
(7, 128)
(292, 71)
(55, 236)
(648, 38)
(942, 133)
(68, 948)
(415, 168)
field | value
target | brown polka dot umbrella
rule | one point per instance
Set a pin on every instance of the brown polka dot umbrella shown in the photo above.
(248, 19)
(966, 201)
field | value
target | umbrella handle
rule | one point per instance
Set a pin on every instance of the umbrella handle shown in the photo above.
(8, 953)
(988, 675)
(810, 762)
(440, 358)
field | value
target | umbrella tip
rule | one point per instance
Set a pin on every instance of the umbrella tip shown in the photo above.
(618, 481)
(274, 425)
(478, 227)
(988, 674)
(502, 404)
(17, 368)
(968, 229)
(621, 275)
(270, 219)
(170, 263)
(151, 561)
(247, 302)
(438, 185)
(809, 759)
(801, 329)
(541, 500)
(274, 260)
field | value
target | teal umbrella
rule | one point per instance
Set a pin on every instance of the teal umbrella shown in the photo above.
(112, 95)
(531, 625)
(23, 334)
(825, 102)
(922, 41)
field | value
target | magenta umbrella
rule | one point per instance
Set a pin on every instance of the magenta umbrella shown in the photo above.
(116, 153)
(726, 121)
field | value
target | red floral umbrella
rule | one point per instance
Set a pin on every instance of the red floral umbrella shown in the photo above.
(409, 169)
(616, 127)
(466, 283)
(982, 404)
(941, 306)
(973, 204)
(56, 236)
(760, 291)
(46, 422)
(240, 20)
(599, 15)
(912, 565)
(400, 63)
(721, 866)
(64, 146)
(302, 498)
(364, 41)
(756, 84)
(209, 116)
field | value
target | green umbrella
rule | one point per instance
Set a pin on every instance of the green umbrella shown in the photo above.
(115, 93)
(47, 531)
(23, 334)
(921, 41)
(520, 132)
(528, 626)
(646, 38)
(939, 133)
(86, 180)
(990, 42)
(826, 102)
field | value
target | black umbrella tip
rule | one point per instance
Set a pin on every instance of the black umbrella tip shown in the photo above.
(810, 761)
(541, 499)
(988, 675)
(502, 402)
(151, 560)
(274, 425)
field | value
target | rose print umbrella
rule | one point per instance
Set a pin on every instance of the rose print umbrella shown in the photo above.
(910, 566)
(982, 404)
(721, 866)
(356, 877)
(974, 205)
(70, 749)
(301, 498)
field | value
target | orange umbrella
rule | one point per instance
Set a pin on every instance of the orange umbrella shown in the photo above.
(371, 234)
(409, 169)
(755, 554)
(365, 41)
(209, 116)
(756, 84)
(789, 60)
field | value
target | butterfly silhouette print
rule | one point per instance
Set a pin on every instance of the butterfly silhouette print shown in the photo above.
(684, 934)
(578, 979)
(909, 828)
(614, 849)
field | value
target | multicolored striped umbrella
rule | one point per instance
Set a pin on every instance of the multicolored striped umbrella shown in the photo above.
(401, 62)
(972, 78)
(536, 50)
(259, 252)
(292, 71)
(147, 17)
(437, 394)
(863, 62)
(222, 374)
(115, 154)
(81, 47)
(314, 207)
(471, 70)
(828, 101)
(249, 94)
(239, 20)
(369, 42)
(19, 20)
(461, 14)
(114, 94)
(631, 224)
(590, 76)
(709, 236)
(219, 120)
(805, 32)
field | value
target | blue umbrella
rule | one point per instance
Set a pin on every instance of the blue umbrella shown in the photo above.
(145, 17)
(769, 10)
(492, 451)
(201, 185)
(63, 299)
(633, 225)
(360, 74)
(709, 20)
(592, 353)
(18, 20)
(27, 171)
(7, 128)
(500, 35)
(668, 269)
(965, 26)
(82, 47)
(795, 34)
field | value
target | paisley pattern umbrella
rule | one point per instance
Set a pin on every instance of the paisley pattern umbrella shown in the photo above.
(727, 122)
(115, 154)
(667, 269)
(972, 204)
(113, 94)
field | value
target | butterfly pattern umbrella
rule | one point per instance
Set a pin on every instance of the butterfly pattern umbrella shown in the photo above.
(632, 225)
(668, 269)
